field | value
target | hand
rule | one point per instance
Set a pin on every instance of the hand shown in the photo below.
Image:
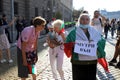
(119, 47)
(24, 62)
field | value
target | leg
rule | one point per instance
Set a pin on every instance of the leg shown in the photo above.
(34, 76)
(52, 57)
(112, 32)
(22, 70)
(77, 72)
(8, 54)
(0, 54)
(60, 63)
(115, 55)
(92, 72)
(84, 72)
(118, 64)
(105, 35)
(8, 34)
(23, 78)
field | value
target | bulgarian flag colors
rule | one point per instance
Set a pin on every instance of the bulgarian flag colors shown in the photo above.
(62, 30)
(68, 47)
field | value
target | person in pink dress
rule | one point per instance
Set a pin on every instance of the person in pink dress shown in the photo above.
(27, 48)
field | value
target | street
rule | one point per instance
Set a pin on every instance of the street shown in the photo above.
(9, 71)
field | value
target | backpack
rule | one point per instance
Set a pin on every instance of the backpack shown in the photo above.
(101, 22)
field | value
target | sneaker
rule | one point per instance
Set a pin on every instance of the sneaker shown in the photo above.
(118, 65)
(3, 61)
(113, 61)
(10, 61)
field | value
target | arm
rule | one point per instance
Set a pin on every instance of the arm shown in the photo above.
(92, 22)
(12, 22)
(103, 17)
(63, 36)
(25, 36)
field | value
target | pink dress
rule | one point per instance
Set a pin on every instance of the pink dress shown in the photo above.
(28, 35)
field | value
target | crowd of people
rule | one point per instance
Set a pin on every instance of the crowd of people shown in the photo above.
(88, 33)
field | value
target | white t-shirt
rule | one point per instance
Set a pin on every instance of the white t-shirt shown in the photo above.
(97, 25)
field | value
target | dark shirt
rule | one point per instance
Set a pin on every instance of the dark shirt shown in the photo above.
(2, 29)
(106, 27)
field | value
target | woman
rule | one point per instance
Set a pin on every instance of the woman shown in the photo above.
(27, 48)
(56, 50)
(84, 60)
(4, 43)
(113, 26)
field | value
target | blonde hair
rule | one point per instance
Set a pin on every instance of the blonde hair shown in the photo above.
(57, 23)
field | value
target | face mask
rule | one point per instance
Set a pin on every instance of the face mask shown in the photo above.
(84, 26)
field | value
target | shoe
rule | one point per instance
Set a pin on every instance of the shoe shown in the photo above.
(10, 61)
(118, 65)
(113, 61)
(3, 61)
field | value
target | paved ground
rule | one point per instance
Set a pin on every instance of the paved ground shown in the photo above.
(9, 71)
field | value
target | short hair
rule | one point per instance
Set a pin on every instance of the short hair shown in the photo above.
(85, 12)
(57, 23)
(39, 21)
(96, 11)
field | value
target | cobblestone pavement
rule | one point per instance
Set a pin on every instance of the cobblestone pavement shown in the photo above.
(9, 71)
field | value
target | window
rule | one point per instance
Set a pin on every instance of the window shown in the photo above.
(1, 5)
(53, 2)
(36, 11)
(15, 8)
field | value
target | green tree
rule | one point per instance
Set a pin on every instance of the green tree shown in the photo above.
(76, 13)
(58, 15)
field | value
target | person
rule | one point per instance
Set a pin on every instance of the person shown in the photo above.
(27, 48)
(85, 11)
(116, 54)
(55, 41)
(113, 26)
(4, 43)
(4, 20)
(24, 22)
(97, 21)
(47, 27)
(84, 65)
(107, 27)
(19, 26)
(118, 28)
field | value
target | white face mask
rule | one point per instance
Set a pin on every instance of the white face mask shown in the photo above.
(84, 26)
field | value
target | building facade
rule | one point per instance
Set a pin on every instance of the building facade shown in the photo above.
(111, 15)
(48, 9)
(32, 8)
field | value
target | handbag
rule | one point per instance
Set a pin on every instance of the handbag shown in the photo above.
(31, 57)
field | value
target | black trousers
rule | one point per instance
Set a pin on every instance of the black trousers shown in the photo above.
(22, 70)
(84, 72)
